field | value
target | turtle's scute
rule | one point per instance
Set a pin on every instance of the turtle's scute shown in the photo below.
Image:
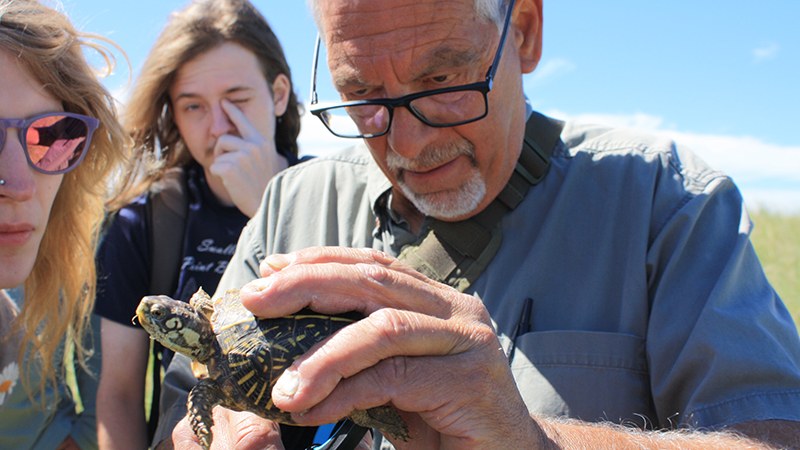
(248, 356)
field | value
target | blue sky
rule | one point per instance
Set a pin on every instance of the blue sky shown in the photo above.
(720, 77)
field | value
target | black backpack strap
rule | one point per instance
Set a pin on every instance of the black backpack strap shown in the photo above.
(165, 218)
(166, 225)
(456, 253)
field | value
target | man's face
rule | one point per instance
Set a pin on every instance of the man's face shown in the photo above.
(393, 48)
(227, 72)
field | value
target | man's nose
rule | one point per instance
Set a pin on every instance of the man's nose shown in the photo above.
(220, 122)
(15, 171)
(407, 135)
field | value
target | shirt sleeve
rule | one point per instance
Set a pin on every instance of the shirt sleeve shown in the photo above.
(122, 265)
(722, 347)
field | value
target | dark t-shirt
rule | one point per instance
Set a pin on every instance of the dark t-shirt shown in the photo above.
(212, 230)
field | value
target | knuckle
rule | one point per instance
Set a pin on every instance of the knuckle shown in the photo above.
(390, 324)
(378, 274)
(379, 257)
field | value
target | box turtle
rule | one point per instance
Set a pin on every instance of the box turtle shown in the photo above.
(244, 355)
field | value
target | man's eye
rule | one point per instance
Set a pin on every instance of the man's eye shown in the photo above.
(239, 101)
(442, 79)
(360, 94)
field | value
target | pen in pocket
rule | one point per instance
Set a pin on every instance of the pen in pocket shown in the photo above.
(523, 326)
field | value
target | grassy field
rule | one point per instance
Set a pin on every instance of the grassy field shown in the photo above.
(776, 239)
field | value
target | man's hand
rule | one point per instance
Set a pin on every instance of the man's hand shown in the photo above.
(245, 163)
(424, 347)
(239, 430)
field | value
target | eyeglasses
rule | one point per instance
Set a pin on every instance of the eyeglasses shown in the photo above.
(54, 143)
(439, 108)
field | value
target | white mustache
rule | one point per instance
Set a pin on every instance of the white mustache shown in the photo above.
(429, 157)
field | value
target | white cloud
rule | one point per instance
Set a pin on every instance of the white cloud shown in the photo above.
(548, 69)
(766, 52)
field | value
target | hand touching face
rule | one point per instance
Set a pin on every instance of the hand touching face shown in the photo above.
(226, 113)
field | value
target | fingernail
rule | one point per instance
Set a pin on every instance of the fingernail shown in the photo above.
(279, 261)
(288, 383)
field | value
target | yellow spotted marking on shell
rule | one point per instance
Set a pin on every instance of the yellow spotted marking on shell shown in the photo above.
(261, 394)
(281, 348)
(246, 377)
(252, 389)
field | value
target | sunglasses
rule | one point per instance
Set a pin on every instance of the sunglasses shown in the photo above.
(54, 143)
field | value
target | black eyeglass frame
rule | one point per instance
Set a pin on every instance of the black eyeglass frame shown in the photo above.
(391, 103)
(23, 124)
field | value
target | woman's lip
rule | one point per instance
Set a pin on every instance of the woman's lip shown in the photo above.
(15, 235)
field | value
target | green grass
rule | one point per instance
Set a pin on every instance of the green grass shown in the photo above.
(776, 239)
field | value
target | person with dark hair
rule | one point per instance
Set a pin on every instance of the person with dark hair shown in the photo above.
(213, 116)
(60, 142)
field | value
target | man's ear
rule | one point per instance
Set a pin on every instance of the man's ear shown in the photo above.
(281, 90)
(527, 21)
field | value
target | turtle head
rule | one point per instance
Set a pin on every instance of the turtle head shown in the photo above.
(177, 325)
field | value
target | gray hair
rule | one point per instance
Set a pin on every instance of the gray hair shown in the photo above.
(493, 10)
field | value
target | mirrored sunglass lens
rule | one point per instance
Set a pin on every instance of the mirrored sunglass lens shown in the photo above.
(55, 143)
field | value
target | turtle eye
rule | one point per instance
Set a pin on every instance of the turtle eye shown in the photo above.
(158, 312)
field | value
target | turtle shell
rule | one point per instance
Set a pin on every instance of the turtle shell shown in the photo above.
(255, 352)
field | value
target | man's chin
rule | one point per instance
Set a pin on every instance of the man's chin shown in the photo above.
(450, 204)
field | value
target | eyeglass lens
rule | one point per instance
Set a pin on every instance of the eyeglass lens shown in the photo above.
(445, 109)
(54, 143)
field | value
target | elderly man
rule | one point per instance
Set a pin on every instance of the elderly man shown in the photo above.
(600, 278)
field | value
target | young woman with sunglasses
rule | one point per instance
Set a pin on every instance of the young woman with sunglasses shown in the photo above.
(59, 141)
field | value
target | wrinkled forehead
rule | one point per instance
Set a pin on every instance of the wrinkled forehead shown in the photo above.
(405, 32)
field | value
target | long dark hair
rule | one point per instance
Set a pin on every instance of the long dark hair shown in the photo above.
(200, 27)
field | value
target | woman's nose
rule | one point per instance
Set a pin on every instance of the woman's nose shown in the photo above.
(16, 174)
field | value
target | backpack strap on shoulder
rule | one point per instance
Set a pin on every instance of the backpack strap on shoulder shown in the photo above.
(165, 218)
(456, 253)
(166, 223)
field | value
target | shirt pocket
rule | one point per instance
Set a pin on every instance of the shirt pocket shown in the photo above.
(592, 376)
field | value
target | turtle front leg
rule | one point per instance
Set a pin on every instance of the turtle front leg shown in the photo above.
(202, 400)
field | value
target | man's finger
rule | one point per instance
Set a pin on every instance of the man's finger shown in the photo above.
(239, 120)
(228, 143)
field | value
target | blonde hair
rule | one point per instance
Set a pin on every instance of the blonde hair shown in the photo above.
(59, 293)
(197, 29)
